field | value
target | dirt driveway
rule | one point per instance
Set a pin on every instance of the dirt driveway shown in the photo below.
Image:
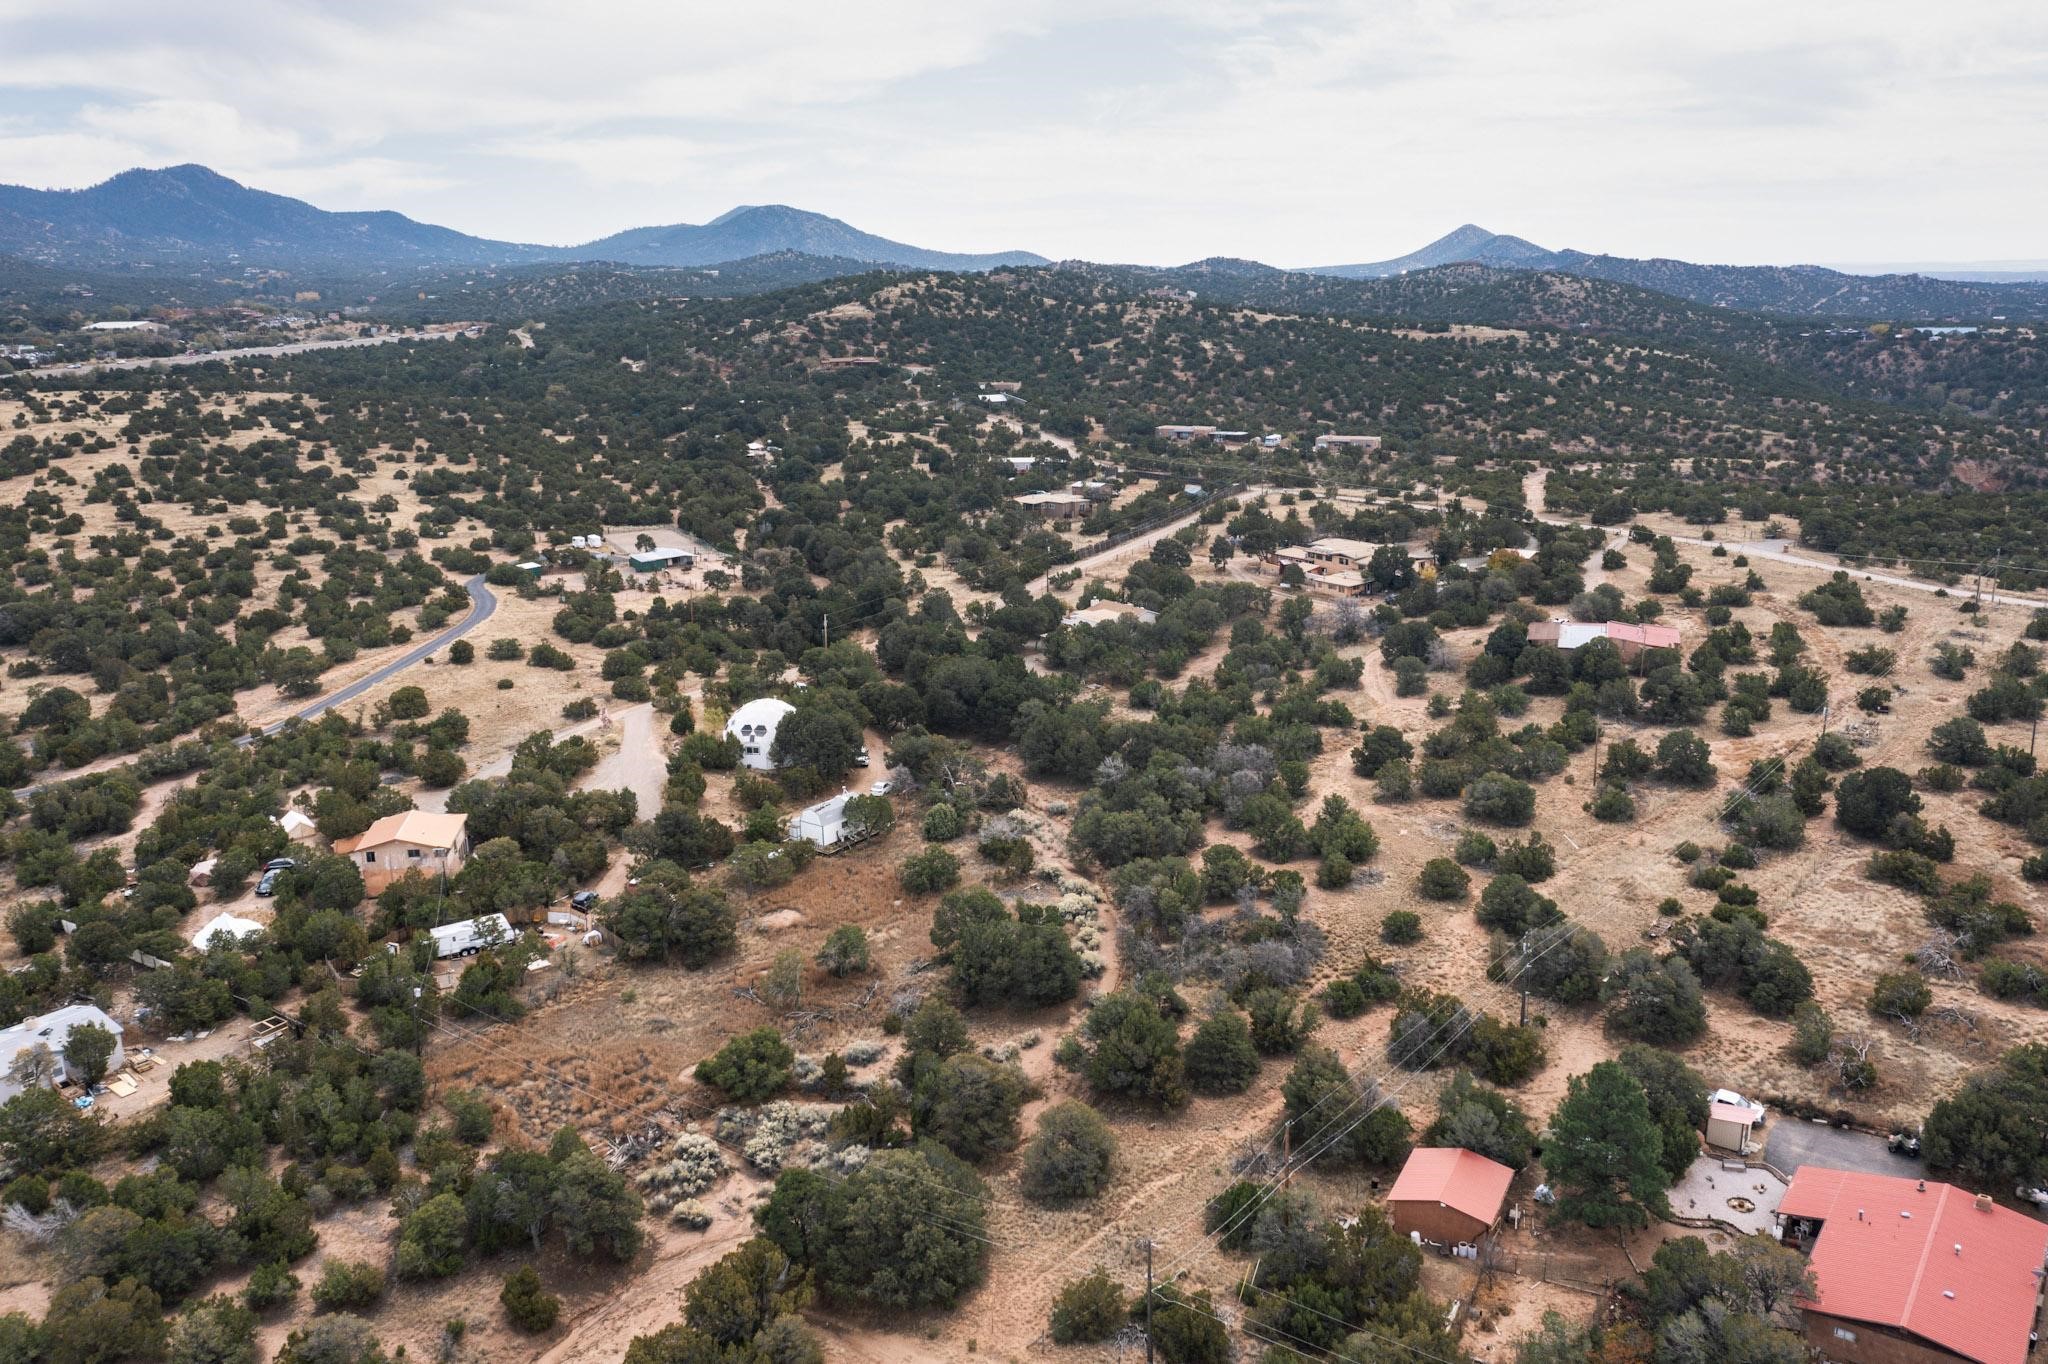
(639, 764)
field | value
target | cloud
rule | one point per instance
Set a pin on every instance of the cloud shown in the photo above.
(1291, 130)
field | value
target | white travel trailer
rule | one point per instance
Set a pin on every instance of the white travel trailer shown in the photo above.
(471, 936)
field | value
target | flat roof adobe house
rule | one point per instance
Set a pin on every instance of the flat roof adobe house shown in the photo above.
(1913, 1272)
(654, 560)
(1335, 549)
(1055, 506)
(1448, 1196)
(415, 840)
(1332, 442)
(1630, 641)
(1183, 432)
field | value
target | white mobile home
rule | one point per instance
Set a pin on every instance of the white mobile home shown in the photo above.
(49, 1033)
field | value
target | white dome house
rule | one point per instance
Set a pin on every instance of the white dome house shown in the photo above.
(754, 725)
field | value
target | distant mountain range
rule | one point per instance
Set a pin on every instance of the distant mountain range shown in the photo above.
(188, 218)
(189, 214)
(1808, 290)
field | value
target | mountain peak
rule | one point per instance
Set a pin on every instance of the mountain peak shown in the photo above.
(750, 230)
(1466, 244)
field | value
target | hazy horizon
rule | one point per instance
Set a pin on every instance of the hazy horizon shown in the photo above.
(1294, 133)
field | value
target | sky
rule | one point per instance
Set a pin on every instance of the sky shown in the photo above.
(1296, 132)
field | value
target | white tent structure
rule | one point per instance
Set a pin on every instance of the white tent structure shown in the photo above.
(298, 826)
(754, 725)
(224, 926)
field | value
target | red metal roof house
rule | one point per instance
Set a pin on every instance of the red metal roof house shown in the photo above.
(1448, 1194)
(1914, 1272)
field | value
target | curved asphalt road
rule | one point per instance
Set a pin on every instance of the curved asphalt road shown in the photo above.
(482, 602)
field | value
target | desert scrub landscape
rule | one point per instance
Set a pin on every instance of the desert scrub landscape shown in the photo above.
(1163, 935)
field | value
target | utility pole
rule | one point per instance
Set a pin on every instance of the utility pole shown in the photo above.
(1148, 1300)
(828, 629)
(1522, 979)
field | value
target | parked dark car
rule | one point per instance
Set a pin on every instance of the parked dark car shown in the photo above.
(268, 885)
(280, 864)
(584, 900)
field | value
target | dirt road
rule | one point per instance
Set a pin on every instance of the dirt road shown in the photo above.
(639, 764)
(1142, 544)
(1776, 552)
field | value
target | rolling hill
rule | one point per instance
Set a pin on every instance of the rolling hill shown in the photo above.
(767, 229)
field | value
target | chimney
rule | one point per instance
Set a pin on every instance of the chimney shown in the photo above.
(1959, 1247)
(1983, 1202)
(1923, 1186)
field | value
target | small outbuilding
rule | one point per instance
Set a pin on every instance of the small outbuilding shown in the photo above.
(1448, 1196)
(824, 823)
(202, 872)
(1728, 1128)
(298, 826)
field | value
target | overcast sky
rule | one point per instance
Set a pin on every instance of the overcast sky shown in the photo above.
(1298, 133)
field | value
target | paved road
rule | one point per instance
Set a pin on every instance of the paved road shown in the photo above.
(1793, 1142)
(482, 602)
(206, 357)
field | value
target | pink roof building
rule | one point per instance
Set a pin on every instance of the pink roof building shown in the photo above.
(1900, 1262)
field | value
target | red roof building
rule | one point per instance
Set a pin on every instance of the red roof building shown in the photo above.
(1449, 1195)
(1912, 1272)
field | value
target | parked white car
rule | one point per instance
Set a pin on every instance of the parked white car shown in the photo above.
(2038, 1197)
